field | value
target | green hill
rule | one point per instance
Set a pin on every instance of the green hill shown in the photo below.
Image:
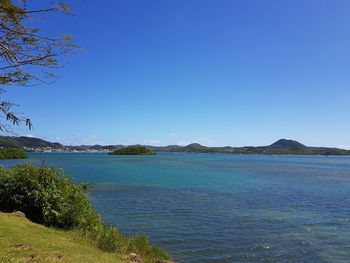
(132, 150)
(29, 142)
(286, 144)
(12, 154)
(195, 147)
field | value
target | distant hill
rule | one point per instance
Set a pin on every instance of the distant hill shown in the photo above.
(169, 148)
(286, 144)
(282, 146)
(132, 150)
(26, 142)
(195, 147)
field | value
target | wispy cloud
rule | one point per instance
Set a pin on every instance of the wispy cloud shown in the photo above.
(172, 134)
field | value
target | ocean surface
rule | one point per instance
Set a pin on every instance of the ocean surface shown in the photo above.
(222, 208)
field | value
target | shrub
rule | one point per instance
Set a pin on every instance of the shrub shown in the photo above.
(110, 239)
(141, 246)
(46, 196)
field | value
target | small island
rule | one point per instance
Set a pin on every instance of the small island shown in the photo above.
(132, 150)
(12, 154)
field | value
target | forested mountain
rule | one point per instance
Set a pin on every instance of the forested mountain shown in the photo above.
(26, 142)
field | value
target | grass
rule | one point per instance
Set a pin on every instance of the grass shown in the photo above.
(24, 241)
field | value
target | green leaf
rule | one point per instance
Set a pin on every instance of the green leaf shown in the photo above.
(63, 6)
(65, 37)
(72, 45)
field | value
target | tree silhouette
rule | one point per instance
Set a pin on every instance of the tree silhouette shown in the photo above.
(26, 55)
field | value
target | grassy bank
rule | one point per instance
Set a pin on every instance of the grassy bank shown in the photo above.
(48, 197)
(22, 241)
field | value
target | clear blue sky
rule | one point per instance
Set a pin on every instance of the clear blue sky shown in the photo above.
(218, 72)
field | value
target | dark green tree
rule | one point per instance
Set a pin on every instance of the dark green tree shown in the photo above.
(26, 55)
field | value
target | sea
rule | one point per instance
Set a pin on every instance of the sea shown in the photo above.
(217, 208)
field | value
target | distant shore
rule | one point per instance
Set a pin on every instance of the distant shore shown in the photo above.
(280, 147)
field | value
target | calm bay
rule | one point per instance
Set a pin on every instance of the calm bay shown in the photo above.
(221, 208)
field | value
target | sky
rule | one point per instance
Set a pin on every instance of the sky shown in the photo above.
(218, 72)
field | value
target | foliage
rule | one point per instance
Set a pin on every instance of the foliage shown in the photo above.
(12, 154)
(109, 239)
(132, 150)
(49, 197)
(145, 249)
(25, 54)
(46, 196)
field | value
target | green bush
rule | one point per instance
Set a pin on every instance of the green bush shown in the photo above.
(46, 196)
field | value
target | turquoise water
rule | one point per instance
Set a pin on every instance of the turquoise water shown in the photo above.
(222, 208)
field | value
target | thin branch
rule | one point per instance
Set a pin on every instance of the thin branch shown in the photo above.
(42, 10)
(33, 60)
(26, 33)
